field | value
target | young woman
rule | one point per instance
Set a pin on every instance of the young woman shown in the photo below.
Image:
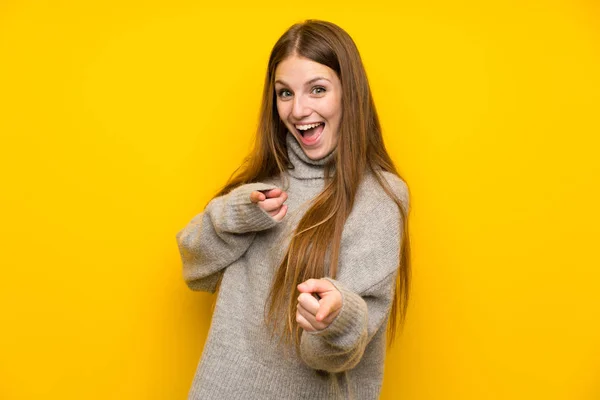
(308, 241)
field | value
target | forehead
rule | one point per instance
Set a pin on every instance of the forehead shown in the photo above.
(295, 69)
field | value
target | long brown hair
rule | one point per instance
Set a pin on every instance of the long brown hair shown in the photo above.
(360, 148)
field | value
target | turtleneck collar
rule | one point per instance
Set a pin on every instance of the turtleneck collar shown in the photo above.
(304, 167)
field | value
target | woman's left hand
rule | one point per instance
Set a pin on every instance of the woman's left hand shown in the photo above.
(315, 315)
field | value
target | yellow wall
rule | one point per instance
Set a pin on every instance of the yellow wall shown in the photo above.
(119, 120)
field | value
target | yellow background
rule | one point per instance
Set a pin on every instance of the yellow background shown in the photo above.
(119, 120)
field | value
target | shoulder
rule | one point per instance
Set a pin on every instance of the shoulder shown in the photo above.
(398, 187)
(371, 192)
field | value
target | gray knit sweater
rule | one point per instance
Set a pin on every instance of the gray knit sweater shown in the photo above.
(239, 241)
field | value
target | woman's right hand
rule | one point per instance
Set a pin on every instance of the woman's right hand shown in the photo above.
(272, 202)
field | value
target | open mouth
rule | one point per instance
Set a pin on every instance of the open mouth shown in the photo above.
(309, 136)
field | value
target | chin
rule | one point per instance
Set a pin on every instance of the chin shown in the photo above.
(315, 154)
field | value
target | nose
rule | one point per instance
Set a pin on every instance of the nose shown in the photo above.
(300, 109)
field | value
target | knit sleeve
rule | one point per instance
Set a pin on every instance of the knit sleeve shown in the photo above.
(220, 235)
(340, 346)
(366, 281)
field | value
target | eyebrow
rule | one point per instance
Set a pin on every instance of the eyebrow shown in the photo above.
(313, 80)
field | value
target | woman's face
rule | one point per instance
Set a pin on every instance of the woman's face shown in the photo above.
(309, 95)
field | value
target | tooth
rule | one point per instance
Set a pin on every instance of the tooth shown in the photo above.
(305, 127)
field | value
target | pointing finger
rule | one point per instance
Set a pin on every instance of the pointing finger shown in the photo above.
(315, 286)
(257, 196)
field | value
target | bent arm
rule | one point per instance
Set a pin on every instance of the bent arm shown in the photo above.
(220, 235)
(369, 258)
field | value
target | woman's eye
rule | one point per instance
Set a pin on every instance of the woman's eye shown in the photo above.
(319, 90)
(283, 93)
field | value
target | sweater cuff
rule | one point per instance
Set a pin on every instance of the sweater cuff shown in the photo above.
(245, 215)
(351, 322)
